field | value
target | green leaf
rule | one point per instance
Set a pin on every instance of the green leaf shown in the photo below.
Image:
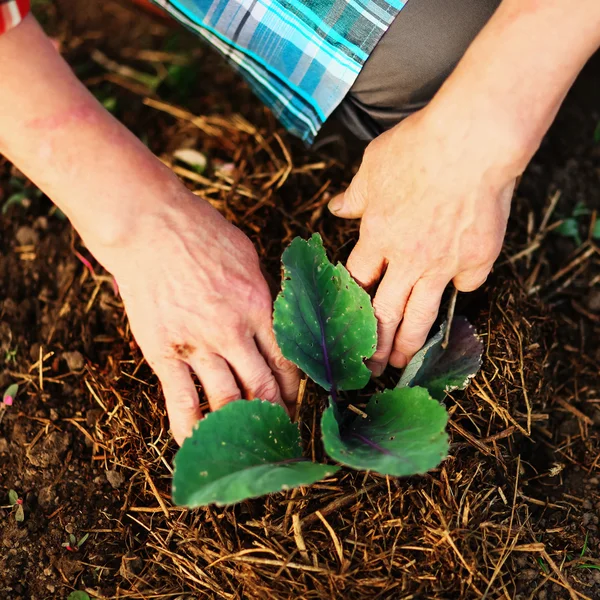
(442, 370)
(569, 228)
(17, 198)
(10, 393)
(581, 210)
(193, 159)
(19, 514)
(110, 103)
(323, 319)
(13, 497)
(78, 596)
(403, 434)
(596, 230)
(243, 450)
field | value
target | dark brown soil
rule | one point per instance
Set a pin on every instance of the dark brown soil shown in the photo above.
(514, 511)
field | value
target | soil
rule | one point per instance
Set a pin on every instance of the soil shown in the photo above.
(512, 513)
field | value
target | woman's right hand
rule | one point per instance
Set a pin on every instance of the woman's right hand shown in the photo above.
(196, 299)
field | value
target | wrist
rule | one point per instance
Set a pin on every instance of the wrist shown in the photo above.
(486, 131)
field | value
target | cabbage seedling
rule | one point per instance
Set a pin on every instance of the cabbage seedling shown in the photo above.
(16, 504)
(324, 322)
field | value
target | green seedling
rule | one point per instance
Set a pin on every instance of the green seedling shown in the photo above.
(78, 595)
(9, 394)
(11, 355)
(16, 504)
(324, 322)
(571, 226)
(74, 545)
(19, 194)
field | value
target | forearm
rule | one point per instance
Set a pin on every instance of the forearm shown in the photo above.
(55, 131)
(518, 70)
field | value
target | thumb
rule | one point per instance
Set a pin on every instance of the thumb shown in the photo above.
(352, 203)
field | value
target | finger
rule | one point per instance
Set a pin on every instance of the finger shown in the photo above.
(255, 376)
(421, 312)
(352, 203)
(181, 397)
(216, 378)
(389, 303)
(285, 372)
(469, 281)
(365, 266)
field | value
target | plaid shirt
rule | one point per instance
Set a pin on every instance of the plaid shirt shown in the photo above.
(12, 13)
(299, 56)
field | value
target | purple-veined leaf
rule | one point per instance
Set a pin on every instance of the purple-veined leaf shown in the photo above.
(404, 433)
(243, 450)
(442, 370)
(323, 320)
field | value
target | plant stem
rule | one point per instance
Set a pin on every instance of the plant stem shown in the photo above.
(450, 317)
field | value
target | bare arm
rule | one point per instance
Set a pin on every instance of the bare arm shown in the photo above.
(190, 281)
(434, 192)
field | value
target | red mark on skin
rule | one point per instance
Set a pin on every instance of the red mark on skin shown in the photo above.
(183, 351)
(86, 263)
(85, 114)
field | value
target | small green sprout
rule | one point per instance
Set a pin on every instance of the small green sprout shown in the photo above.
(9, 395)
(570, 227)
(11, 355)
(74, 545)
(78, 595)
(16, 504)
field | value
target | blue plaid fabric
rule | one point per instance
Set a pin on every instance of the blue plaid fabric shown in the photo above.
(299, 56)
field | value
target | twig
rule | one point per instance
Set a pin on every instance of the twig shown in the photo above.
(450, 317)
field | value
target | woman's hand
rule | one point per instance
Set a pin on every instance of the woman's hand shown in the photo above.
(196, 299)
(190, 280)
(434, 207)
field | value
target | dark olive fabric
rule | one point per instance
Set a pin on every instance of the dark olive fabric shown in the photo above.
(411, 61)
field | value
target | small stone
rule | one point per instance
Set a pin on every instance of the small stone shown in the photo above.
(3, 446)
(41, 223)
(115, 478)
(45, 497)
(50, 450)
(34, 352)
(130, 565)
(54, 416)
(92, 416)
(74, 360)
(27, 236)
(593, 300)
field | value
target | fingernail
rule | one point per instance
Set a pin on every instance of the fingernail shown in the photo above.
(336, 204)
(376, 369)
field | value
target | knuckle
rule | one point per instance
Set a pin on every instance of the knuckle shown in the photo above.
(423, 314)
(225, 397)
(282, 365)
(410, 342)
(266, 389)
(386, 314)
